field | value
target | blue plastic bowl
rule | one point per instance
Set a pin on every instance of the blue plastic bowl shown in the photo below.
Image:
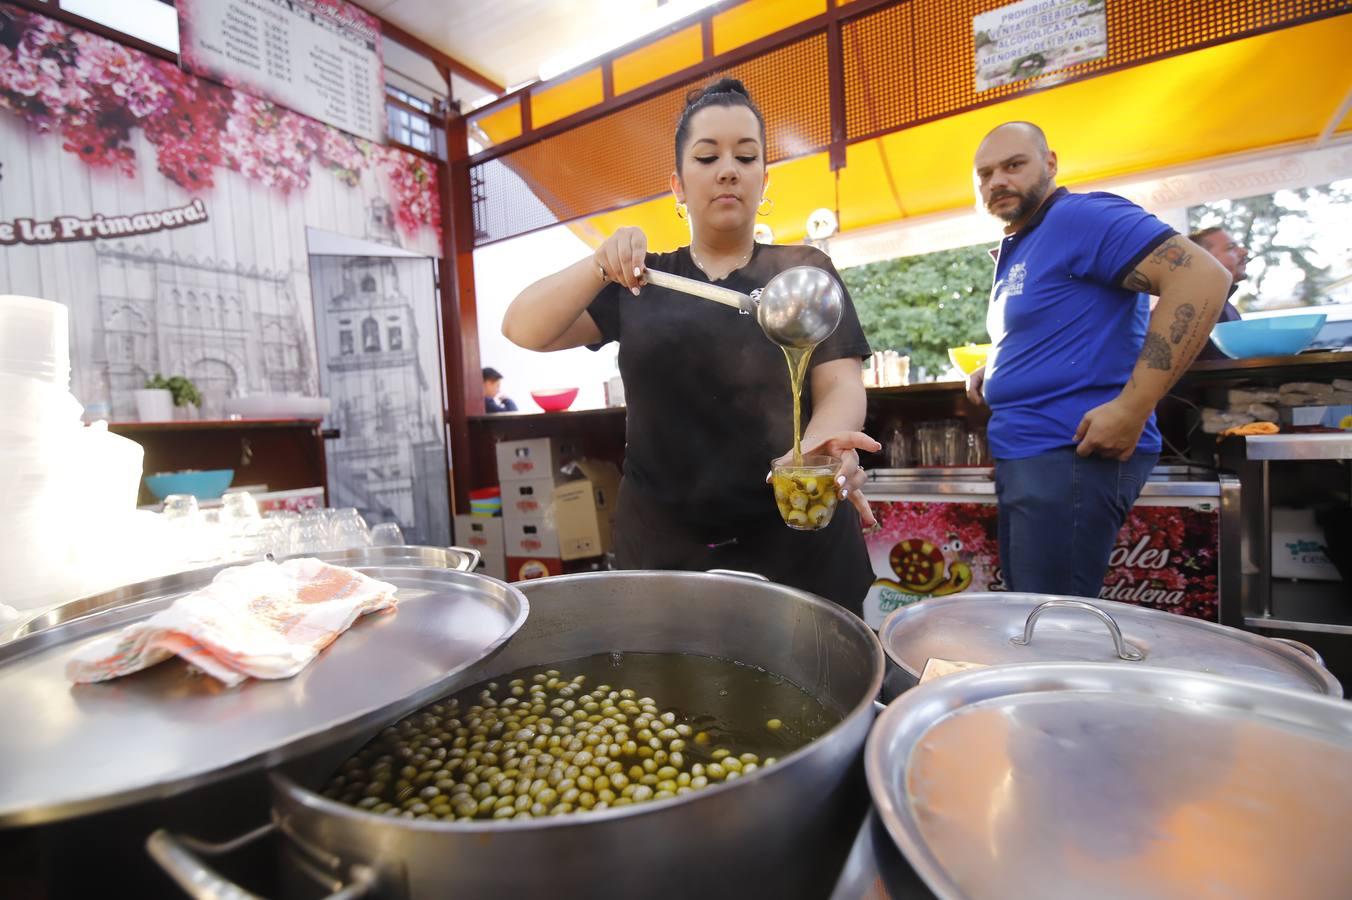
(208, 485)
(1277, 336)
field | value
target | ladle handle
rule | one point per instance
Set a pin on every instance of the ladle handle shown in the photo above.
(727, 296)
(1125, 651)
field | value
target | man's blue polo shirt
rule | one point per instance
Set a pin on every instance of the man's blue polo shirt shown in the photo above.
(1066, 335)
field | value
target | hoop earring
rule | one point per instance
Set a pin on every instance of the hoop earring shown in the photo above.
(763, 210)
(680, 210)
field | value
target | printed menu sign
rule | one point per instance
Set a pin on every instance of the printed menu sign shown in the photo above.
(1034, 37)
(321, 58)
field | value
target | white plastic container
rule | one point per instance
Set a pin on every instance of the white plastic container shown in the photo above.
(35, 339)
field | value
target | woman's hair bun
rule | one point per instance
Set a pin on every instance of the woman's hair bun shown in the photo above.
(721, 86)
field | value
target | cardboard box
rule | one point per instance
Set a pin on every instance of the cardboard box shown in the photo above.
(526, 568)
(535, 458)
(529, 498)
(529, 537)
(484, 534)
(1298, 547)
(584, 510)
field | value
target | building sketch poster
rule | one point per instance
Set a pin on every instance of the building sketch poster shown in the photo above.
(1034, 37)
(380, 367)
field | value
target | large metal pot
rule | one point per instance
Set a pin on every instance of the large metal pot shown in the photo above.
(763, 835)
(1074, 780)
(1000, 628)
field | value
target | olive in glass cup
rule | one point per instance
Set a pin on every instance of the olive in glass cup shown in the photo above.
(805, 493)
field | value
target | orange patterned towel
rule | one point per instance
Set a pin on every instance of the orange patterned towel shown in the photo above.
(265, 620)
(1251, 428)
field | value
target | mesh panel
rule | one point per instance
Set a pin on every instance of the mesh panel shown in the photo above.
(904, 63)
(627, 156)
(936, 36)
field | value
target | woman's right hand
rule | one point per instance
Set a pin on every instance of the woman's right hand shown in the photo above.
(622, 257)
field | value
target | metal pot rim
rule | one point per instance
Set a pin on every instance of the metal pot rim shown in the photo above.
(1317, 674)
(865, 707)
(915, 713)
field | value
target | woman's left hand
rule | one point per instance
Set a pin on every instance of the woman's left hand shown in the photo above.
(850, 482)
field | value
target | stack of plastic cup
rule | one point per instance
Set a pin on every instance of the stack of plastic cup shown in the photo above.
(64, 488)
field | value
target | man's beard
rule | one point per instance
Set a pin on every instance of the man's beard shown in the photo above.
(1027, 202)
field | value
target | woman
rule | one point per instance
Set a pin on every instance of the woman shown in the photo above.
(708, 395)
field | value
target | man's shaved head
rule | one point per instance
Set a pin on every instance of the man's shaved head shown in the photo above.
(1031, 131)
(1014, 171)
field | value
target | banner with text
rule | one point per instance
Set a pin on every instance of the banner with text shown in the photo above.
(1166, 557)
(1034, 37)
(321, 58)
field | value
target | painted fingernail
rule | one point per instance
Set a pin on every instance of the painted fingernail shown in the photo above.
(845, 493)
(635, 291)
(840, 480)
(637, 271)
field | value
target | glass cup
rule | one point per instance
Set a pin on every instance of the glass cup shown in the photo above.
(239, 505)
(806, 494)
(313, 534)
(180, 506)
(349, 530)
(953, 435)
(387, 534)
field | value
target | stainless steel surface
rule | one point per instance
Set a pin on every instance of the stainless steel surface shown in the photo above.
(1125, 651)
(181, 858)
(1075, 780)
(977, 628)
(979, 481)
(702, 289)
(758, 836)
(458, 558)
(1311, 606)
(1229, 561)
(1299, 446)
(800, 307)
(85, 748)
(1303, 648)
(876, 870)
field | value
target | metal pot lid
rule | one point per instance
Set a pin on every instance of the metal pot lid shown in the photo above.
(990, 629)
(78, 749)
(1073, 780)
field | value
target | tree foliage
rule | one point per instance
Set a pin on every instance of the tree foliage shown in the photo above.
(1264, 224)
(922, 305)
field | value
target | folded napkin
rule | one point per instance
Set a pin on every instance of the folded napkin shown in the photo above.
(264, 620)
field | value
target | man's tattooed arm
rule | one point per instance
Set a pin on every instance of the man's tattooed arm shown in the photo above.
(1156, 353)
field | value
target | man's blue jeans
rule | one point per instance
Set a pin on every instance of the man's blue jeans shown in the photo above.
(1060, 515)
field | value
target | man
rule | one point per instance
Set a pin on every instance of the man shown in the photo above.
(492, 385)
(1235, 257)
(1076, 369)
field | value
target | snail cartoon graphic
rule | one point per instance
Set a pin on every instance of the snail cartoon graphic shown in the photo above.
(923, 568)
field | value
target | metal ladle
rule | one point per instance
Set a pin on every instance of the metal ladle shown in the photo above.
(799, 308)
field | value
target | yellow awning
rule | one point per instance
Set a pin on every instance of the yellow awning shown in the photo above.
(1271, 89)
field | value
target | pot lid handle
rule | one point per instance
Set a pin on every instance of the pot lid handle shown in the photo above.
(1125, 651)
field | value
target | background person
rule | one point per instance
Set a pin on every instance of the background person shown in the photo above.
(1234, 256)
(494, 402)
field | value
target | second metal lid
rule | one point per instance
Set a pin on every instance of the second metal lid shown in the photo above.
(1004, 628)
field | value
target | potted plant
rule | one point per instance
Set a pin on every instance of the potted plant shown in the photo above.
(156, 402)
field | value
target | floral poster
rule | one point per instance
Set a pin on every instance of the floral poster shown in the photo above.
(175, 216)
(1166, 556)
(1034, 37)
(93, 93)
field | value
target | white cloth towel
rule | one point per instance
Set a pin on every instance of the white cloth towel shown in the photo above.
(264, 620)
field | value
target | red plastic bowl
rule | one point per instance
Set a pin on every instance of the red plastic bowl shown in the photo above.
(555, 401)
